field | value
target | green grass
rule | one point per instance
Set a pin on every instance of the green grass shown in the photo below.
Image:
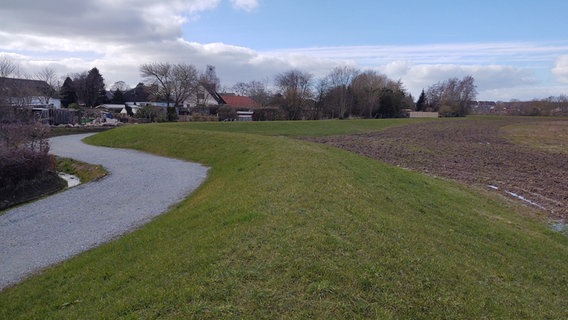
(290, 229)
(63, 131)
(545, 134)
(303, 128)
(84, 171)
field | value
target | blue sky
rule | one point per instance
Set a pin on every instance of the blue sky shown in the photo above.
(278, 24)
(514, 49)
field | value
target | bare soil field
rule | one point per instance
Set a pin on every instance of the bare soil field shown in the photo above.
(477, 151)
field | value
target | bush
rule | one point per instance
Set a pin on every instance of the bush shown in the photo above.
(226, 113)
(150, 113)
(24, 149)
(268, 114)
(171, 114)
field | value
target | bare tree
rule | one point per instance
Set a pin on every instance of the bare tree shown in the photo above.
(120, 85)
(176, 83)
(50, 77)
(7, 66)
(184, 82)
(321, 92)
(159, 76)
(339, 80)
(453, 96)
(256, 90)
(367, 88)
(468, 93)
(241, 88)
(295, 88)
(79, 81)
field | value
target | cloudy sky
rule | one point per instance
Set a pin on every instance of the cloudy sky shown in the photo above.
(514, 49)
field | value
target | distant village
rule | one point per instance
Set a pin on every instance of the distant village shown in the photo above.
(84, 100)
(131, 105)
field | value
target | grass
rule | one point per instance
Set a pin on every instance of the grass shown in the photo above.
(63, 131)
(303, 128)
(545, 135)
(84, 171)
(290, 229)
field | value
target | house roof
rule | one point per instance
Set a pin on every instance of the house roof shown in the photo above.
(10, 85)
(109, 106)
(137, 94)
(239, 101)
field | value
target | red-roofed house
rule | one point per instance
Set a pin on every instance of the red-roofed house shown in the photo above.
(242, 106)
(240, 102)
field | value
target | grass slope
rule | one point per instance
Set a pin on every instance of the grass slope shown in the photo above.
(290, 229)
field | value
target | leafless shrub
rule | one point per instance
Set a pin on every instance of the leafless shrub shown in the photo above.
(24, 149)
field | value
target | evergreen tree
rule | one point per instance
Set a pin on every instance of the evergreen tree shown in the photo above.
(421, 103)
(118, 97)
(102, 98)
(67, 93)
(94, 85)
(171, 114)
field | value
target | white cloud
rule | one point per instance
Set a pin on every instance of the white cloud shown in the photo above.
(488, 78)
(96, 21)
(118, 35)
(247, 5)
(457, 53)
(560, 69)
(500, 69)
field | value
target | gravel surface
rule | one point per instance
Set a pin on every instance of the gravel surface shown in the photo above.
(139, 187)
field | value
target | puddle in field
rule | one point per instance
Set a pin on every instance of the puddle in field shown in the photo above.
(518, 196)
(72, 180)
(560, 226)
(525, 200)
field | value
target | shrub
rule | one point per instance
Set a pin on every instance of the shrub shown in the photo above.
(226, 113)
(24, 149)
(150, 113)
(171, 114)
(268, 114)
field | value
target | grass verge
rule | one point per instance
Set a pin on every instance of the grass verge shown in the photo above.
(64, 131)
(291, 229)
(85, 171)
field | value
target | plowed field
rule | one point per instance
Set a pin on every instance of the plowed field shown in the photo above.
(477, 152)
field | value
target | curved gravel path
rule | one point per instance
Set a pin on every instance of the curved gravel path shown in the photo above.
(140, 186)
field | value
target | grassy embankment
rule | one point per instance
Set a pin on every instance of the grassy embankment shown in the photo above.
(290, 229)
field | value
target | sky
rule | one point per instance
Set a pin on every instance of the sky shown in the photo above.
(513, 49)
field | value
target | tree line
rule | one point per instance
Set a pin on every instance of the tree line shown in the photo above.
(345, 92)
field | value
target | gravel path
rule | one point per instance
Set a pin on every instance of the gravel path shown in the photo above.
(140, 186)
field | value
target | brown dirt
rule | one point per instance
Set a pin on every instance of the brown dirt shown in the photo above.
(471, 151)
